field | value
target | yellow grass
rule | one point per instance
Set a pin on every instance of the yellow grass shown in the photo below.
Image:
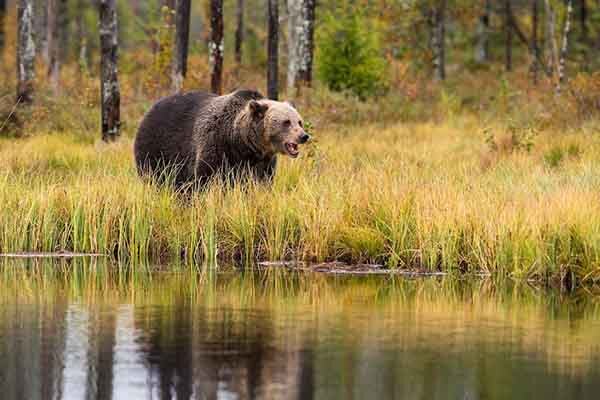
(431, 196)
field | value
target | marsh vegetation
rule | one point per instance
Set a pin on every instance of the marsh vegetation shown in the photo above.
(486, 172)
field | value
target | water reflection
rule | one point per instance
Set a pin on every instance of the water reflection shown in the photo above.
(80, 331)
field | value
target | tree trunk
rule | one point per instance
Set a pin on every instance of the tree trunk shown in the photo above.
(550, 43)
(2, 16)
(273, 50)
(583, 14)
(534, 40)
(482, 49)
(82, 34)
(438, 39)
(57, 34)
(111, 97)
(508, 34)
(25, 52)
(50, 27)
(564, 47)
(301, 25)
(41, 29)
(216, 46)
(239, 31)
(182, 39)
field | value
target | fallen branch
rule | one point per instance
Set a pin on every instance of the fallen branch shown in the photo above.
(10, 114)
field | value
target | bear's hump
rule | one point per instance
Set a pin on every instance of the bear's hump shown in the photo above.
(247, 95)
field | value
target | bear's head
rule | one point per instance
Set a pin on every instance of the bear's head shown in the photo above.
(279, 126)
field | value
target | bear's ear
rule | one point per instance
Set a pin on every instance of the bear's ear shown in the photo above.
(290, 103)
(257, 110)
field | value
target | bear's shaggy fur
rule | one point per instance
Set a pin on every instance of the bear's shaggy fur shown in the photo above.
(199, 134)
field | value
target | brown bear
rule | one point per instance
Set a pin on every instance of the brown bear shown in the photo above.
(196, 135)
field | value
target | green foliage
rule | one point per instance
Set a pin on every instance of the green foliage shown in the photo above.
(350, 54)
(554, 157)
(164, 39)
(514, 138)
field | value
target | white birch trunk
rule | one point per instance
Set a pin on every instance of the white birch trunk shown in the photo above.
(301, 19)
(25, 51)
(111, 96)
(564, 47)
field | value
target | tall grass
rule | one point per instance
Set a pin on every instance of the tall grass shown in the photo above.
(408, 196)
(435, 178)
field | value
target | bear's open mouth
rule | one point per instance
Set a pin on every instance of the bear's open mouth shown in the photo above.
(292, 149)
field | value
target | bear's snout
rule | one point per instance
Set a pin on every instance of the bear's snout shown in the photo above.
(304, 137)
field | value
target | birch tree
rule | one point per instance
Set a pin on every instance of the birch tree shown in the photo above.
(273, 50)
(216, 46)
(111, 97)
(25, 52)
(482, 48)
(564, 47)
(182, 38)
(239, 31)
(301, 25)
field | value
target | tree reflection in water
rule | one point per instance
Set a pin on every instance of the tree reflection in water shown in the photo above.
(67, 333)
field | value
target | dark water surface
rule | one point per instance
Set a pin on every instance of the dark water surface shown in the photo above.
(80, 331)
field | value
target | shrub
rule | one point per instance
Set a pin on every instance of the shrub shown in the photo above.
(554, 157)
(349, 54)
(585, 92)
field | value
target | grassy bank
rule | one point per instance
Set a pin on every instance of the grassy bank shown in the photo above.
(457, 196)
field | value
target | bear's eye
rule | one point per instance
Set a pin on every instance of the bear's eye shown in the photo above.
(287, 123)
(300, 123)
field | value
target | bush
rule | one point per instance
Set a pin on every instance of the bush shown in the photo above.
(350, 55)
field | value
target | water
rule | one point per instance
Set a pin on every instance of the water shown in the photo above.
(74, 331)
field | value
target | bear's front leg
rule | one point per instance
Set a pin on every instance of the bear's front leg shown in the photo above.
(265, 170)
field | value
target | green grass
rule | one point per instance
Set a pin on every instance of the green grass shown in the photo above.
(430, 196)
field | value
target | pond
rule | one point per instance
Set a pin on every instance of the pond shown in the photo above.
(85, 330)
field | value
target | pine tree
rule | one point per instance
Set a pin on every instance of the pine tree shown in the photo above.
(57, 37)
(239, 31)
(216, 46)
(508, 34)
(535, 47)
(273, 50)
(182, 38)
(438, 39)
(40, 9)
(2, 16)
(482, 48)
